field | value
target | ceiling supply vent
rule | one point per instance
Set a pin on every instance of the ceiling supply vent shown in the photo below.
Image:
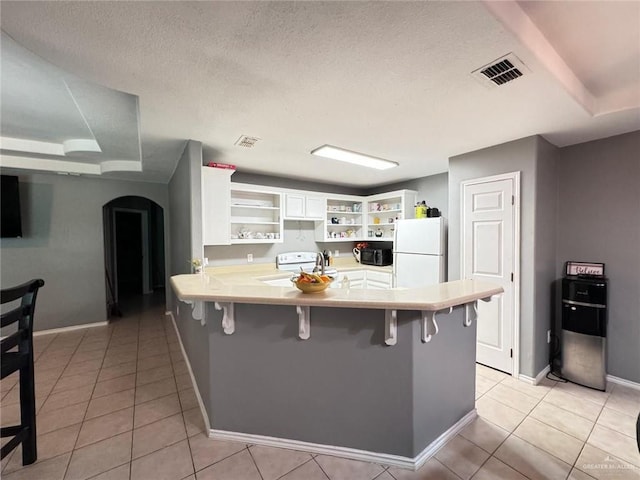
(500, 71)
(246, 141)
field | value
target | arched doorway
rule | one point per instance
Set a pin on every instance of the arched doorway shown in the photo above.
(134, 253)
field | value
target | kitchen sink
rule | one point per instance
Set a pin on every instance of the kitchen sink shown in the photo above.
(286, 281)
(327, 271)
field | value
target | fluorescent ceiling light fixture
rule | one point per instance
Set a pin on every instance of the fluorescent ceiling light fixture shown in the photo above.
(343, 155)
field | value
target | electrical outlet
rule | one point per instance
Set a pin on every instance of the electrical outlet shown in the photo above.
(205, 261)
(249, 257)
(548, 336)
(336, 253)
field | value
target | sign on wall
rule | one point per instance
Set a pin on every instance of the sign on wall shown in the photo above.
(585, 268)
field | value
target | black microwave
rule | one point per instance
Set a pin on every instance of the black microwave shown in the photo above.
(376, 256)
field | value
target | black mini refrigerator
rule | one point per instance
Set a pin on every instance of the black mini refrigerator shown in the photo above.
(584, 325)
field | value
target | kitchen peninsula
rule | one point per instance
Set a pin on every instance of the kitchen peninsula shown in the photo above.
(367, 374)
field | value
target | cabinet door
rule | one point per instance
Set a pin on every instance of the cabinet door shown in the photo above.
(315, 208)
(381, 280)
(294, 205)
(216, 206)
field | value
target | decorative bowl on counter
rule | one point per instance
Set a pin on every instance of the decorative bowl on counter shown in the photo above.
(311, 282)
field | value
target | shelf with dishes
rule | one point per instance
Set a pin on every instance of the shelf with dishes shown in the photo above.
(384, 210)
(255, 232)
(346, 206)
(378, 230)
(255, 216)
(343, 220)
(384, 219)
(343, 232)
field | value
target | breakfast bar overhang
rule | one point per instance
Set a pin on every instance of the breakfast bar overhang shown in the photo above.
(365, 374)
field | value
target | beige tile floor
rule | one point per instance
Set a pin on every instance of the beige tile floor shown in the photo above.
(116, 403)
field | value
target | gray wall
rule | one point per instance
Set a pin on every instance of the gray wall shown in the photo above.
(519, 155)
(63, 243)
(545, 274)
(186, 209)
(599, 221)
(444, 374)
(180, 224)
(185, 228)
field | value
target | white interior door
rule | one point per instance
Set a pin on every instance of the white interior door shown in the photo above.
(489, 253)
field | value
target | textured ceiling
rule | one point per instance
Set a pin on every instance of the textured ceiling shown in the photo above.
(391, 79)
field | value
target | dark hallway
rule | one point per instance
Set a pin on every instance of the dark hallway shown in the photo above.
(129, 256)
(134, 253)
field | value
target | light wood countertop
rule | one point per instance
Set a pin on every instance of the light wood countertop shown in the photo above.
(245, 284)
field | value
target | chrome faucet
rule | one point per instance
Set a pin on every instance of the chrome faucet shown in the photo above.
(319, 263)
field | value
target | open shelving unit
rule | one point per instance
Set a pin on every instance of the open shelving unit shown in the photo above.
(384, 210)
(344, 220)
(256, 216)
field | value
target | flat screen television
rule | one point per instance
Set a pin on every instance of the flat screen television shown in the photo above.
(10, 218)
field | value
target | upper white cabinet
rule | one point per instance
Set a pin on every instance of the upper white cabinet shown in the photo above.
(384, 209)
(315, 207)
(216, 199)
(303, 207)
(236, 213)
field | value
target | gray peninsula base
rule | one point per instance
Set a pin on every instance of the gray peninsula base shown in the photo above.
(343, 386)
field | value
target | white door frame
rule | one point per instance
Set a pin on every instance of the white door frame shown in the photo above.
(144, 222)
(515, 177)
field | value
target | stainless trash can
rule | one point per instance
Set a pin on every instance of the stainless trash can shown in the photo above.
(584, 330)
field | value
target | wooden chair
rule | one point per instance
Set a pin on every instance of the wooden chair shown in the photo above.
(21, 359)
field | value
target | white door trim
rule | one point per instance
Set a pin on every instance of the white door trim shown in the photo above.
(515, 177)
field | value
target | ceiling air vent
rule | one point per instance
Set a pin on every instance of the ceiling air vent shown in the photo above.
(246, 141)
(501, 71)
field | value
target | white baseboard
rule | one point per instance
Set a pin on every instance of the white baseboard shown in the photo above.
(622, 381)
(527, 379)
(352, 453)
(69, 329)
(610, 378)
(543, 373)
(442, 440)
(539, 377)
(205, 417)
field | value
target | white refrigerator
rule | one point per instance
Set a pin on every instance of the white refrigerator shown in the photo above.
(418, 252)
